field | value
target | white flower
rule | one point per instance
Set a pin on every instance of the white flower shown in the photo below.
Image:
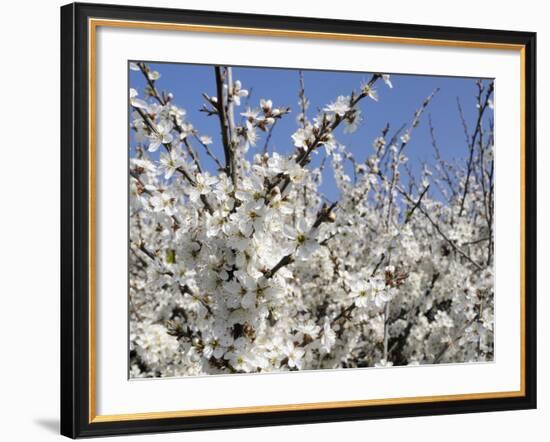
(369, 91)
(237, 239)
(190, 252)
(252, 189)
(185, 129)
(360, 292)
(379, 292)
(303, 238)
(340, 106)
(281, 165)
(280, 205)
(153, 75)
(218, 221)
(248, 132)
(328, 337)
(145, 164)
(386, 78)
(170, 162)
(303, 137)
(213, 349)
(379, 143)
(237, 92)
(241, 360)
(163, 202)
(250, 216)
(266, 106)
(224, 186)
(160, 136)
(206, 140)
(251, 114)
(294, 355)
(257, 288)
(138, 102)
(352, 120)
(203, 185)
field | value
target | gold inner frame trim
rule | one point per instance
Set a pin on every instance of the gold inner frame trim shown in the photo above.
(93, 24)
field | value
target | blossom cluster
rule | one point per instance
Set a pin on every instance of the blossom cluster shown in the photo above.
(250, 269)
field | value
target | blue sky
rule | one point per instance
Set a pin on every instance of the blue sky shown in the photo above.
(395, 106)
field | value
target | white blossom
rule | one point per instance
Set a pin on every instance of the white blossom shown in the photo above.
(161, 135)
(170, 162)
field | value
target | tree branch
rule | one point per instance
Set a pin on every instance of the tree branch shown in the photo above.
(481, 110)
(411, 212)
(226, 137)
(434, 224)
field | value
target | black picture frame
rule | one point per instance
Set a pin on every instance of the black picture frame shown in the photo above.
(75, 221)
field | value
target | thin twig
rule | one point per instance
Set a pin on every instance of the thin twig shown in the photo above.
(208, 151)
(411, 212)
(434, 224)
(268, 138)
(482, 105)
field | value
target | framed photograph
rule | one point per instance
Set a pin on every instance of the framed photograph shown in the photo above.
(274, 220)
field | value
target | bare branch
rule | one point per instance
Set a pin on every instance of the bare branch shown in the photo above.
(226, 138)
(284, 261)
(442, 164)
(404, 142)
(411, 212)
(482, 105)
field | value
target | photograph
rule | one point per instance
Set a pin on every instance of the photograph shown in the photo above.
(284, 219)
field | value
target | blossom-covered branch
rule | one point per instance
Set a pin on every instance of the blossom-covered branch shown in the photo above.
(240, 264)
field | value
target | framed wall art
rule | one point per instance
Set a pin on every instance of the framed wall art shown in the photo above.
(279, 220)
